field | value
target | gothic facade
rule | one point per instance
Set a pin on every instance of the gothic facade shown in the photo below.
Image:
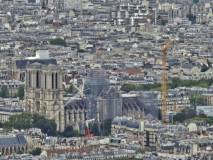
(13, 144)
(44, 92)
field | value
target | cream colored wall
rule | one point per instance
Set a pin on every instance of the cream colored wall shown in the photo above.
(192, 127)
(49, 104)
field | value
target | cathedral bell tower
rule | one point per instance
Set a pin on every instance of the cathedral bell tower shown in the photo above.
(44, 92)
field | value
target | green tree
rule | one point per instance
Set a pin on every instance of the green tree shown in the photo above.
(107, 126)
(190, 83)
(202, 115)
(176, 82)
(4, 93)
(58, 41)
(143, 150)
(163, 22)
(204, 69)
(47, 126)
(128, 87)
(74, 133)
(94, 129)
(195, 1)
(80, 50)
(10, 55)
(185, 114)
(69, 132)
(20, 92)
(36, 151)
(27, 120)
(1, 125)
(179, 117)
(196, 99)
(38, 121)
(69, 89)
(19, 121)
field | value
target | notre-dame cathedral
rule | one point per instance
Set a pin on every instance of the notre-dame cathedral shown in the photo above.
(44, 92)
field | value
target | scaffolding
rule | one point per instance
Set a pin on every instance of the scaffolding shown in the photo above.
(94, 84)
(149, 101)
(140, 104)
(109, 104)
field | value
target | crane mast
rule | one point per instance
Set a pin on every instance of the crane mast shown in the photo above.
(163, 96)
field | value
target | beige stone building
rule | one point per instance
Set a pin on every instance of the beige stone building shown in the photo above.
(44, 92)
(208, 98)
(175, 101)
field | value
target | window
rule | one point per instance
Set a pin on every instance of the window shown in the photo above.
(29, 79)
(37, 79)
(37, 95)
(56, 80)
(52, 80)
(45, 81)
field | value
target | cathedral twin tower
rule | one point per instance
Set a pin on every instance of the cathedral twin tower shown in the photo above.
(44, 92)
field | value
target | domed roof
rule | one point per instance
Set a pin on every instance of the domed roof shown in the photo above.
(116, 120)
(124, 120)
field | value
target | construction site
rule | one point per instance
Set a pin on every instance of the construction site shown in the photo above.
(99, 100)
(140, 104)
(109, 104)
(95, 83)
(75, 114)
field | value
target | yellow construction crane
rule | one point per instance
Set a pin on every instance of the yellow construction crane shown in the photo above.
(163, 108)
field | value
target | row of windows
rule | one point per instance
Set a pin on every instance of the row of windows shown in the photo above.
(54, 78)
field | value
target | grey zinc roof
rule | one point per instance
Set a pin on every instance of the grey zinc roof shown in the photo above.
(21, 64)
(18, 140)
(188, 66)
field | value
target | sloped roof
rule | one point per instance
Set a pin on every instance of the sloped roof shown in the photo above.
(21, 64)
(18, 140)
(188, 66)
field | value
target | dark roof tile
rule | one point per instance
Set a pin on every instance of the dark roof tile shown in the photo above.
(21, 64)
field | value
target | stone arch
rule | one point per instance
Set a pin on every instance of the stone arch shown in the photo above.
(3, 151)
(11, 150)
(7, 151)
(22, 149)
(37, 106)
